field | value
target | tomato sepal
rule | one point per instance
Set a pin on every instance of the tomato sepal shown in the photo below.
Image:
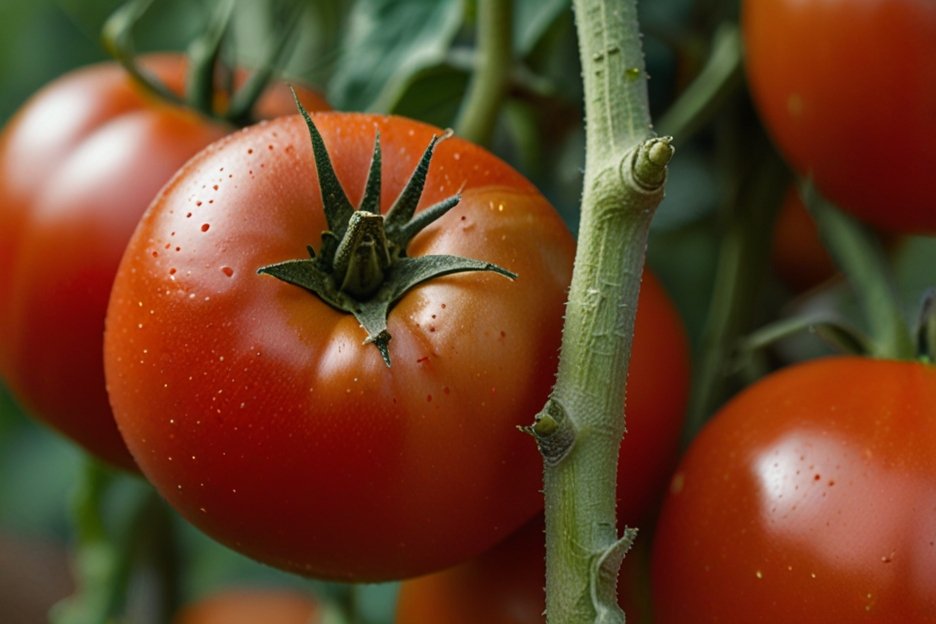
(362, 267)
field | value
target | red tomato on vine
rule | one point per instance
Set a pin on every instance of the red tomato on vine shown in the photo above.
(811, 497)
(265, 410)
(848, 91)
(78, 165)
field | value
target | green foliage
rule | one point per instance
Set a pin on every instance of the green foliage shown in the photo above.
(388, 42)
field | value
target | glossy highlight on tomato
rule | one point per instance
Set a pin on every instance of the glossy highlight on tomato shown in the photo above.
(79, 163)
(256, 410)
(811, 497)
(847, 90)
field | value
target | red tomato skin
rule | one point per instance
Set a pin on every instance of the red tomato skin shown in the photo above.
(657, 392)
(811, 497)
(251, 606)
(847, 90)
(505, 584)
(257, 411)
(79, 163)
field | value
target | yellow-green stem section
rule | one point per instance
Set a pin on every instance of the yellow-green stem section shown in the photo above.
(478, 114)
(580, 430)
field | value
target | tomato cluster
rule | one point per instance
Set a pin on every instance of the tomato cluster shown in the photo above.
(319, 338)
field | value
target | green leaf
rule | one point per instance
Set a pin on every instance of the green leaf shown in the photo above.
(433, 94)
(388, 41)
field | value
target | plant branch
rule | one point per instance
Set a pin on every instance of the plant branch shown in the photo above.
(720, 78)
(580, 429)
(489, 82)
(861, 258)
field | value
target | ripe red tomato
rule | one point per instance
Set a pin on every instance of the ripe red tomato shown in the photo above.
(251, 606)
(256, 410)
(505, 584)
(847, 90)
(811, 497)
(78, 165)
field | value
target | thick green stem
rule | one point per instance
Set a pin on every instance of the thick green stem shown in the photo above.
(478, 115)
(580, 430)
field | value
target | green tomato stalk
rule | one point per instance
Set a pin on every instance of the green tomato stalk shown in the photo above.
(580, 430)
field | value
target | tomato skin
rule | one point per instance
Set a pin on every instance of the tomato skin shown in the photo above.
(502, 586)
(79, 163)
(255, 408)
(505, 584)
(251, 606)
(847, 90)
(657, 392)
(809, 497)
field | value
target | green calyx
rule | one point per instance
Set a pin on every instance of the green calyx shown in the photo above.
(362, 267)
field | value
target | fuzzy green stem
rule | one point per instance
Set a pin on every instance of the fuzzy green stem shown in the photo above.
(580, 430)
(485, 95)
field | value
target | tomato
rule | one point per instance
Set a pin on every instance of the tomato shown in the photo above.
(505, 584)
(847, 90)
(78, 165)
(256, 410)
(810, 497)
(502, 586)
(251, 606)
